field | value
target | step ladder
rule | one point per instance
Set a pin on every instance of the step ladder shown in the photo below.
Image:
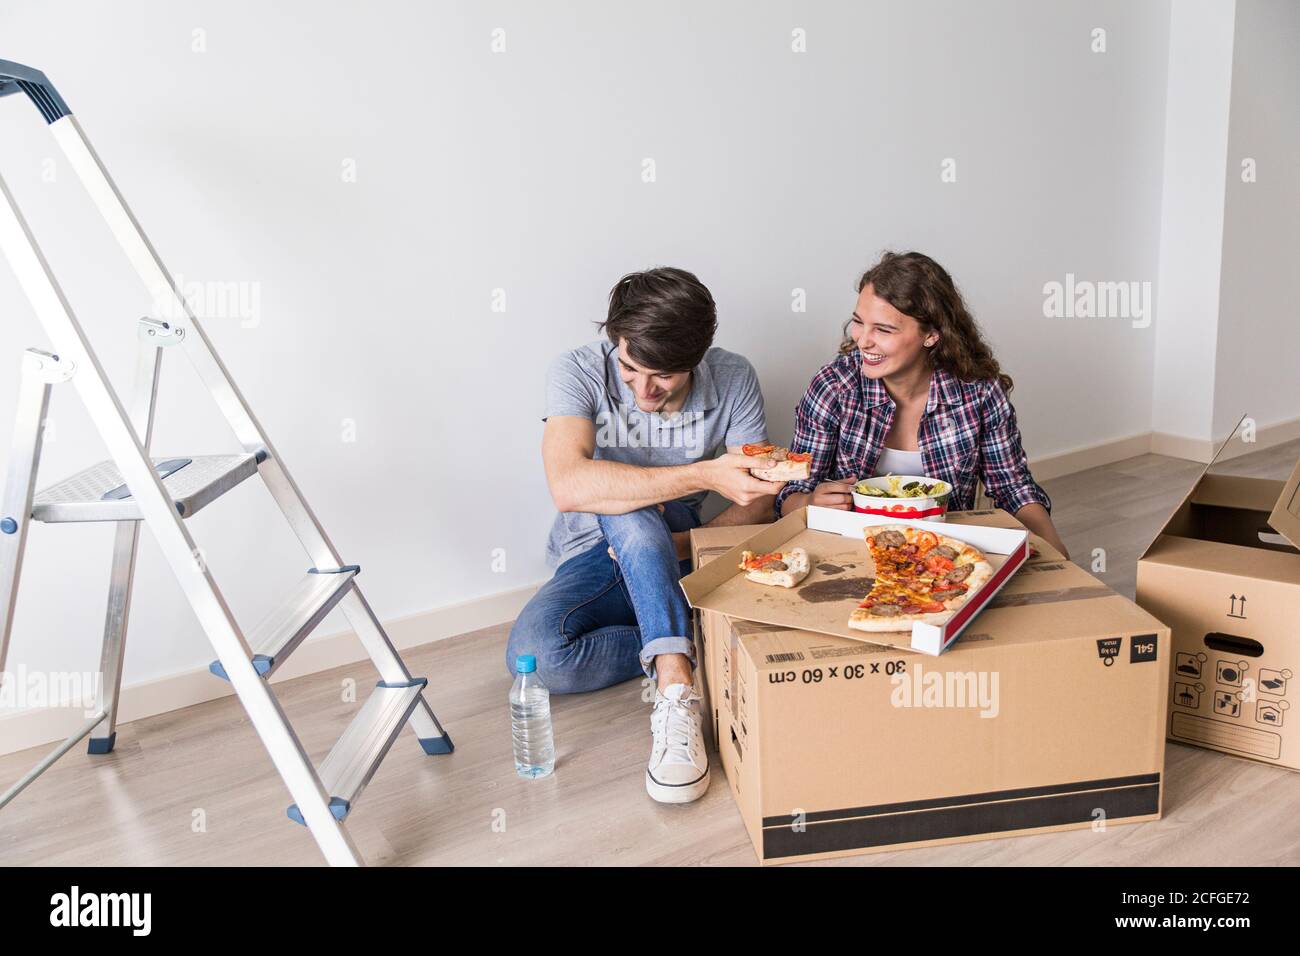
(163, 493)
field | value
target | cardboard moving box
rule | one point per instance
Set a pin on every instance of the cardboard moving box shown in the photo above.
(1047, 714)
(1224, 573)
(710, 543)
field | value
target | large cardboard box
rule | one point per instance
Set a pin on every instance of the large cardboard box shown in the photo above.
(712, 636)
(1046, 715)
(1224, 573)
(711, 627)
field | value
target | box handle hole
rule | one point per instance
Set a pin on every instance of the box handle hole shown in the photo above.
(1268, 536)
(1232, 644)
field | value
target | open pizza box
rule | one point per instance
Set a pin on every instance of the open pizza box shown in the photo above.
(823, 601)
(1224, 574)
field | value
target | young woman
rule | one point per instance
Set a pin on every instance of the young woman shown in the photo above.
(915, 391)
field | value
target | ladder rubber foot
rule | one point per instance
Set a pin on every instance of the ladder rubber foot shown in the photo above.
(261, 664)
(437, 745)
(102, 745)
(338, 806)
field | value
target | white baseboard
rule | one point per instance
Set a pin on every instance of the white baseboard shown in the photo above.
(1159, 443)
(33, 727)
(1266, 436)
(1093, 456)
(1202, 449)
(1180, 446)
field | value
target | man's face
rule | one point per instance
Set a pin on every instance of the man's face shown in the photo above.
(655, 391)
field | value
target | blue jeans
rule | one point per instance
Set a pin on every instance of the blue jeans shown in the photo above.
(599, 622)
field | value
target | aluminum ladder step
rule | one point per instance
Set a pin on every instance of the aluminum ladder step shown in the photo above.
(98, 493)
(276, 636)
(361, 749)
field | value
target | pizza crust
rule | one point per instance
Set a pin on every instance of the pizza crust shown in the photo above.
(782, 468)
(863, 620)
(798, 567)
(980, 575)
(783, 471)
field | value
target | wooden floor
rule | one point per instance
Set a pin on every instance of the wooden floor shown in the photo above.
(195, 787)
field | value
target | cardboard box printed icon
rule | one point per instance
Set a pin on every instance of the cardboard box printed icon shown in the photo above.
(1047, 714)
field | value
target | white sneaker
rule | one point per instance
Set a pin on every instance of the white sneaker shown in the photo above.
(679, 763)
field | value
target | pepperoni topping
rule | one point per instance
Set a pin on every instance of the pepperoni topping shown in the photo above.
(937, 563)
(756, 562)
(926, 540)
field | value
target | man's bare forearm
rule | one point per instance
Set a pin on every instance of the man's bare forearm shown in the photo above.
(613, 488)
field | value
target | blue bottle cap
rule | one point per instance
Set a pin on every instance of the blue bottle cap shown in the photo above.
(525, 664)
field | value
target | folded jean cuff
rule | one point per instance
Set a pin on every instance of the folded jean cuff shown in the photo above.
(665, 645)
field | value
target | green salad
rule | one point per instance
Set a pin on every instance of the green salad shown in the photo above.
(916, 488)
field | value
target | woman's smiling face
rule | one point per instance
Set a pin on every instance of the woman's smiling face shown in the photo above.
(888, 341)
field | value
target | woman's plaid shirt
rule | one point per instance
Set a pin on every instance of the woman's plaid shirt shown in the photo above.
(968, 433)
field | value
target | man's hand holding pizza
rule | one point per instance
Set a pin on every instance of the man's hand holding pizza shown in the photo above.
(729, 476)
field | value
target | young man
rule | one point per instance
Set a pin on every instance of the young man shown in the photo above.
(632, 428)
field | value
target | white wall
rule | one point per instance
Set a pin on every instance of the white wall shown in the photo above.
(522, 170)
(1191, 216)
(1258, 351)
(1227, 339)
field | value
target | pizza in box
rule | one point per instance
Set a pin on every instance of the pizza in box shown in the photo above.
(920, 576)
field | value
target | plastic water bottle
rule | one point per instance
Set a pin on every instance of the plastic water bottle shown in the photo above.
(530, 719)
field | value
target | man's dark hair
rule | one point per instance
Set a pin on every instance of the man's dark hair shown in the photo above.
(667, 317)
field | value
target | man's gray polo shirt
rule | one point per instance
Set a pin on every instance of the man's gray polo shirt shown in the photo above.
(724, 409)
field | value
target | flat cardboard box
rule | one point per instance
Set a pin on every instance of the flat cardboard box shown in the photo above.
(835, 746)
(842, 574)
(1224, 574)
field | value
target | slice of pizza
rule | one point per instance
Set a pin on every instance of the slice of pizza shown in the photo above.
(787, 465)
(782, 569)
(920, 576)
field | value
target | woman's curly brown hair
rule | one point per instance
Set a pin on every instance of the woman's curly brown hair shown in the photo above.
(916, 285)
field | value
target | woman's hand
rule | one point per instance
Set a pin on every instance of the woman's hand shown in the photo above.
(829, 494)
(834, 494)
